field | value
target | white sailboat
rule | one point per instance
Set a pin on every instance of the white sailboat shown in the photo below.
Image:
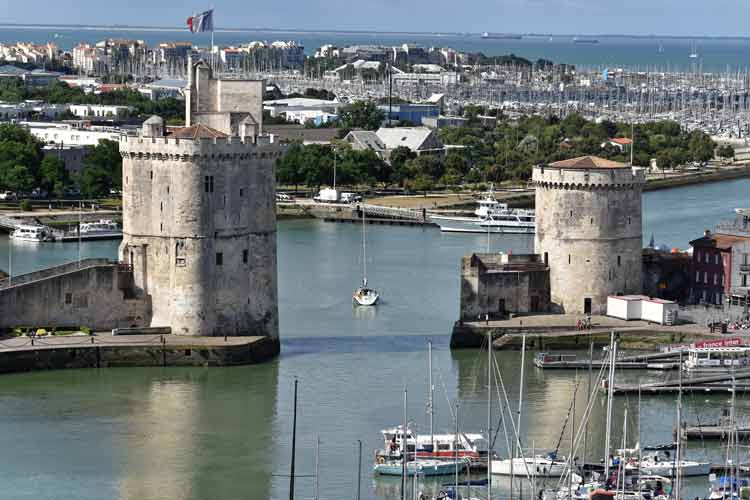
(364, 295)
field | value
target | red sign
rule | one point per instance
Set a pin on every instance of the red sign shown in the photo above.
(718, 343)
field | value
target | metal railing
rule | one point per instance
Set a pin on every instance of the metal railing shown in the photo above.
(50, 272)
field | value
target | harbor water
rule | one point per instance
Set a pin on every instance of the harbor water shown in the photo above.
(225, 433)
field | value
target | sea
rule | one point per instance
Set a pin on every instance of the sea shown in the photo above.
(651, 53)
(225, 433)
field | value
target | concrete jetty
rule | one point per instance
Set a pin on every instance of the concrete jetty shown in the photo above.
(23, 354)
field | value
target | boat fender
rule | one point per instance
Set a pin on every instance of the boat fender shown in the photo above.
(381, 460)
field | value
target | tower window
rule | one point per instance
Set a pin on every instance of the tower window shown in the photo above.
(68, 298)
(219, 259)
(167, 189)
(245, 255)
(151, 174)
(629, 219)
(242, 192)
(208, 183)
(619, 260)
(569, 259)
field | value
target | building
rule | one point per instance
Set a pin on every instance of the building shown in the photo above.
(410, 113)
(363, 140)
(74, 133)
(100, 111)
(199, 227)
(73, 156)
(299, 133)
(303, 110)
(622, 143)
(494, 285)
(589, 231)
(721, 262)
(420, 140)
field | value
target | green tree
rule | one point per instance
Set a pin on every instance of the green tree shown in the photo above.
(20, 157)
(53, 175)
(725, 151)
(102, 169)
(362, 115)
(289, 167)
(398, 158)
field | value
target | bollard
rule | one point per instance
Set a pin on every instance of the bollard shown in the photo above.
(32, 340)
(225, 338)
(92, 340)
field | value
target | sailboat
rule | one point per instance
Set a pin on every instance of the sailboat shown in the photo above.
(693, 52)
(364, 295)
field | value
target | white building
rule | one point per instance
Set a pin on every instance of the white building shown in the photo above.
(71, 133)
(100, 111)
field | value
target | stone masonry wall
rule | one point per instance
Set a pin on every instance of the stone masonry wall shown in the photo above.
(589, 230)
(200, 230)
(99, 297)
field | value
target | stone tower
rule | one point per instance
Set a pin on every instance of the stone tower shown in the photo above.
(588, 230)
(199, 212)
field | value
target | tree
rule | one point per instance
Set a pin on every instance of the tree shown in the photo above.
(20, 156)
(421, 183)
(53, 175)
(289, 167)
(725, 151)
(362, 115)
(398, 158)
(102, 169)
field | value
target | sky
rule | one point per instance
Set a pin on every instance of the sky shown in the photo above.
(641, 17)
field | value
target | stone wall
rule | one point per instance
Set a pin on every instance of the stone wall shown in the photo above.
(497, 285)
(200, 231)
(100, 297)
(589, 231)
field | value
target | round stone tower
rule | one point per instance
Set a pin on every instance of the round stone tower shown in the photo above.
(589, 231)
(199, 228)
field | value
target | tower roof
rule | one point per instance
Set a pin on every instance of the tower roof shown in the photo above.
(198, 131)
(585, 162)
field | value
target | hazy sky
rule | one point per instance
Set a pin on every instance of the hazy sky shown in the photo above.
(663, 17)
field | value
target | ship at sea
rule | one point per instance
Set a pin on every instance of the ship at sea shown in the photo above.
(504, 36)
(585, 40)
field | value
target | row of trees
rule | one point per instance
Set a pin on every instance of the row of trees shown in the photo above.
(14, 90)
(24, 167)
(505, 150)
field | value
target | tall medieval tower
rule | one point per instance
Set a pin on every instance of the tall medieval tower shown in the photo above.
(199, 212)
(589, 231)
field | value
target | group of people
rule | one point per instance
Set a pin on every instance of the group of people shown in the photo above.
(584, 324)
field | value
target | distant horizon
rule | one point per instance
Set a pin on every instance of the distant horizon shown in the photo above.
(125, 27)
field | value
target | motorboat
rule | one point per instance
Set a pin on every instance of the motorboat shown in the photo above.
(717, 359)
(102, 226)
(727, 488)
(633, 487)
(538, 465)
(421, 467)
(491, 216)
(32, 232)
(470, 446)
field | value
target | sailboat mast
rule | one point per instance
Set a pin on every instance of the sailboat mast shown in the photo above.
(610, 397)
(431, 396)
(489, 416)
(404, 449)
(317, 467)
(678, 479)
(364, 247)
(294, 443)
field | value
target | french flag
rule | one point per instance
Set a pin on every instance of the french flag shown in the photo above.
(202, 22)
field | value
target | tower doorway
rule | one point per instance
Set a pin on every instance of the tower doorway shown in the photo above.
(587, 305)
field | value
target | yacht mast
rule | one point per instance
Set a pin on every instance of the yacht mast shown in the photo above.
(610, 398)
(364, 247)
(430, 403)
(489, 416)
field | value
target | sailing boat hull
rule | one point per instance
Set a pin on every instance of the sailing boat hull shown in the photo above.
(421, 467)
(539, 466)
(364, 297)
(668, 469)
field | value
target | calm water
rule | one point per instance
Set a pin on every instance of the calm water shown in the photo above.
(224, 433)
(715, 54)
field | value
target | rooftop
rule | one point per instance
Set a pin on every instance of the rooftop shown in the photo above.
(198, 131)
(586, 162)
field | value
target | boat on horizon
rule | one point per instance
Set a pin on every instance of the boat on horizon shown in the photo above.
(585, 40)
(501, 36)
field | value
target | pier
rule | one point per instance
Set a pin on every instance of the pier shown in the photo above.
(22, 354)
(721, 383)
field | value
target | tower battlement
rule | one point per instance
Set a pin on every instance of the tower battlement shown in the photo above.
(208, 148)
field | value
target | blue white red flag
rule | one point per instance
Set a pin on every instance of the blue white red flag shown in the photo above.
(201, 22)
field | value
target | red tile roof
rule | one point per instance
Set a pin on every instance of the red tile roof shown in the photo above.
(585, 162)
(622, 141)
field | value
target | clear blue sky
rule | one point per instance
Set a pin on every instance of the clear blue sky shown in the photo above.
(662, 17)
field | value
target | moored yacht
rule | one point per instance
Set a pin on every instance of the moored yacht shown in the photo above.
(491, 216)
(717, 359)
(31, 232)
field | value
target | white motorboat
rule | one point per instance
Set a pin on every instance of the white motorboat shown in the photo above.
(717, 359)
(102, 226)
(364, 295)
(467, 446)
(491, 216)
(32, 232)
(538, 465)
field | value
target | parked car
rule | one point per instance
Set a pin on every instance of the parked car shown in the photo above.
(8, 196)
(283, 197)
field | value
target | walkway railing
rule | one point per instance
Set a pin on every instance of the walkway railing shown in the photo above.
(393, 213)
